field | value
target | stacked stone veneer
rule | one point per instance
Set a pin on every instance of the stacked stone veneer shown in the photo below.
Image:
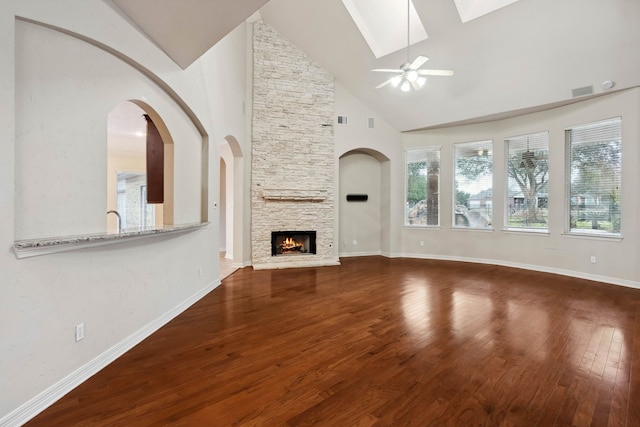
(292, 171)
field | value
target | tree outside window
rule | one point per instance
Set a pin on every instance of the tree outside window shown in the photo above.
(594, 168)
(422, 187)
(527, 201)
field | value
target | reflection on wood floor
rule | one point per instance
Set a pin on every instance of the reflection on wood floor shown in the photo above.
(226, 266)
(377, 341)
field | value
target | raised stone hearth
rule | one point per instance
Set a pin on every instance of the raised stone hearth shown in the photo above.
(293, 164)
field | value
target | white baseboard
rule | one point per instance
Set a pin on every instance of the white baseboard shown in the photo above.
(241, 264)
(354, 254)
(42, 401)
(543, 269)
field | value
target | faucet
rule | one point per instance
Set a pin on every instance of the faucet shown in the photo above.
(119, 220)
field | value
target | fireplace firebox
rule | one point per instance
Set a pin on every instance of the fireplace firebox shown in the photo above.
(293, 242)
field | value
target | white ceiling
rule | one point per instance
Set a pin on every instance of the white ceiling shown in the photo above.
(185, 29)
(524, 57)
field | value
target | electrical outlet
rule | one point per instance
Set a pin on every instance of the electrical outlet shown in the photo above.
(355, 242)
(344, 243)
(593, 259)
(79, 331)
(421, 242)
(200, 272)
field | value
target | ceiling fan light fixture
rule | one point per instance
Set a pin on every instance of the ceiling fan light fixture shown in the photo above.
(410, 75)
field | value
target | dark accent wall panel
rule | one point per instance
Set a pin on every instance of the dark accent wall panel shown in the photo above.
(155, 163)
(357, 197)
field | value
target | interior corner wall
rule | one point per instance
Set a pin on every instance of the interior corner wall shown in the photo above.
(557, 251)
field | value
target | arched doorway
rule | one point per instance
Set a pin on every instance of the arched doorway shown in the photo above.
(232, 201)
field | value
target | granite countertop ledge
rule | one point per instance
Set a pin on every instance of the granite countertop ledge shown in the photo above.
(47, 245)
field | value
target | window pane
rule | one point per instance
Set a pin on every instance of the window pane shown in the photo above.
(422, 187)
(473, 201)
(595, 172)
(527, 183)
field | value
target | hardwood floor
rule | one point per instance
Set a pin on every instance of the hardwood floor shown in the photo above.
(376, 341)
(226, 266)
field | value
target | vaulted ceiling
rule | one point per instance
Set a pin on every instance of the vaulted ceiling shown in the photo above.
(527, 56)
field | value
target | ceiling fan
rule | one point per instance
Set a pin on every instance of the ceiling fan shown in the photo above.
(409, 74)
(529, 159)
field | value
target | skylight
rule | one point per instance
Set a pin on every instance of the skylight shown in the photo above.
(383, 24)
(472, 9)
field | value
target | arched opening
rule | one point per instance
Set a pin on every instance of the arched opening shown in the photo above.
(232, 201)
(364, 216)
(127, 184)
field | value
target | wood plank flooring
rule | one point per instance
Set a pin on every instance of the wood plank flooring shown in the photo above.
(380, 342)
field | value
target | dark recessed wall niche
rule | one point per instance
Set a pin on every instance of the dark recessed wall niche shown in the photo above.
(357, 197)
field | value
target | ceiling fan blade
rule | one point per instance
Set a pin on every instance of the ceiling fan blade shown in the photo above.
(435, 72)
(387, 70)
(418, 62)
(386, 82)
(415, 85)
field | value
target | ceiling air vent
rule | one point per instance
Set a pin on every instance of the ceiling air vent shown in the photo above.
(371, 124)
(581, 91)
(342, 120)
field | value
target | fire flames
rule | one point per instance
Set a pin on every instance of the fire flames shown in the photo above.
(290, 245)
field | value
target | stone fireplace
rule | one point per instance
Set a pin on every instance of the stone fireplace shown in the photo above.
(292, 128)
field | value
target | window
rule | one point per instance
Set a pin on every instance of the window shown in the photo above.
(528, 181)
(422, 187)
(473, 199)
(132, 201)
(594, 172)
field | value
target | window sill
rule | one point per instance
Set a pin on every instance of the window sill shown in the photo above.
(594, 236)
(482, 230)
(49, 245)
(422, 227)
(532, 231)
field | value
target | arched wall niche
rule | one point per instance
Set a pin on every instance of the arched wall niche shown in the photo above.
(364, 226)
(381, 157)
(97, 97)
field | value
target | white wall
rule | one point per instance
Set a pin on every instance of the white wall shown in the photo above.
(617, 260)
(58, 105)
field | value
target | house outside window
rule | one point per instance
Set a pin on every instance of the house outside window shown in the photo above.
(527, 198)
(422, 187)
(594, 175)
(473, 185)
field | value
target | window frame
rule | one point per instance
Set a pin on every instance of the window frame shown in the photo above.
(489, 146)
(584, 232)
(426, 149)
(541, 136)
